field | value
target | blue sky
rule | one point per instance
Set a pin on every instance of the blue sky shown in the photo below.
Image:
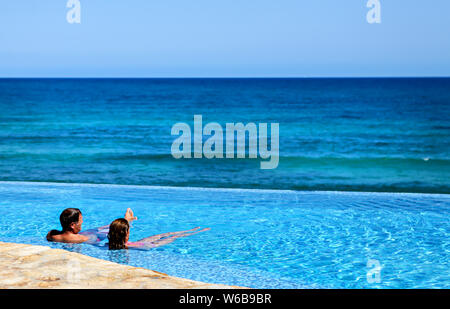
(224, 38)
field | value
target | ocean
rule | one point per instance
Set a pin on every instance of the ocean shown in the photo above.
(368, 134)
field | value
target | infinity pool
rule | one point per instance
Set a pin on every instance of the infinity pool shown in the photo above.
(258, 238)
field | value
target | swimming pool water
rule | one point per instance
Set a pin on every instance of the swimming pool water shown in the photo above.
(258, 238)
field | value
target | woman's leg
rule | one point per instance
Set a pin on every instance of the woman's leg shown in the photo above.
(163, 235)
(168, 240)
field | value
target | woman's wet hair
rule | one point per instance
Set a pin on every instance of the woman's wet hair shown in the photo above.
(69, 216)
(118, 231)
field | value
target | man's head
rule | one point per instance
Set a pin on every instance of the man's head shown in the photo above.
(71, 220)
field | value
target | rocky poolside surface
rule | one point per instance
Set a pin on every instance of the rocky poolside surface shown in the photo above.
(30, 266)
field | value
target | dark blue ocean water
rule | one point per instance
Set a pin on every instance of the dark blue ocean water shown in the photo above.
(335, 134)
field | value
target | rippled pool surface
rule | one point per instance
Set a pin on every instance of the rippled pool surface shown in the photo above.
(260, 239)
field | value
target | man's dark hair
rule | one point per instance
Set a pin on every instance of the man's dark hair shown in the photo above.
(69, 216)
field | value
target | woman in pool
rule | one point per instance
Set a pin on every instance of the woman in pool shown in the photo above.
(119, 232)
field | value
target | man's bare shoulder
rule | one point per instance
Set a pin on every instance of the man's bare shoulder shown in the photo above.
(71, 238)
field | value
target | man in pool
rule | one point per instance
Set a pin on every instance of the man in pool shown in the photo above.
(71, 220)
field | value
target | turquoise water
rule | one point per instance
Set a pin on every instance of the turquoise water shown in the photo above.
(302, 230)
(335, 134)
(258, 238)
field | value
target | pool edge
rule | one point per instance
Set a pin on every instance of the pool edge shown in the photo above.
(30, 266)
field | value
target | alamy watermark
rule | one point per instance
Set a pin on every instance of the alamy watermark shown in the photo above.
(374, 14)
(74, 13)
(213, 146)
(374, 272)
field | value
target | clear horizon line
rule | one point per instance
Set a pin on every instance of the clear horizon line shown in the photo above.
(222, 77)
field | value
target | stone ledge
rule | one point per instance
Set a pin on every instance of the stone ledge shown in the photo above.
(30, 266)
